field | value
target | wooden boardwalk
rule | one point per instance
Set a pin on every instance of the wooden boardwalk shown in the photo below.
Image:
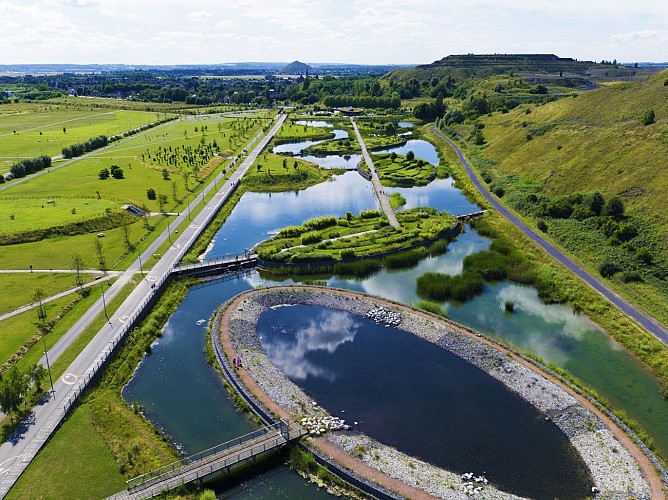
(215, 459)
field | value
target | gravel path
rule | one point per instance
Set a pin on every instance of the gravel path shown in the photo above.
(615, 471)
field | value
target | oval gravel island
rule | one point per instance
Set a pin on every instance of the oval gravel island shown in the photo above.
(617, 467)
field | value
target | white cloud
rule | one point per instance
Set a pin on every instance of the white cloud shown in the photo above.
(199, 16)
(357, 31)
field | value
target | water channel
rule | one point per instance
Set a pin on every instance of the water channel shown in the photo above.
(182, 394)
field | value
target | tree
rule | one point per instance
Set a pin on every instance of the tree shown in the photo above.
(13, 386)
(77, 266)
(614, 208)
(99, 251)
(596, 203)
(150, 194)
(37, 374)
(410, 156)
(104, 174)
(174, 193)
(116, 172)
(37, 298)
(162, 201)
(165, 174)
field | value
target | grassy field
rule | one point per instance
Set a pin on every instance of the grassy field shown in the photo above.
(24, 214)
(47, 131)
(87, 454)
(291, 131)
(18, 289)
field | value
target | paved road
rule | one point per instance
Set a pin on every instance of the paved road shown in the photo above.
(642, 318)
(16, 454)
(377, 186)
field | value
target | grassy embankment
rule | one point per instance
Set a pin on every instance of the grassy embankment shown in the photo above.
(545, 160)
(113, 442)
(556, 284)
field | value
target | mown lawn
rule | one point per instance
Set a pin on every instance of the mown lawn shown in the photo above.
(30, 134)
(18, 289)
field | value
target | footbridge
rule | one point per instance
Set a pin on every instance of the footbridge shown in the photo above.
(208, 462)
(471, 215)
(224, 265)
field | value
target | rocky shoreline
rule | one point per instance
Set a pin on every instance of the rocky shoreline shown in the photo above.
(614, 471)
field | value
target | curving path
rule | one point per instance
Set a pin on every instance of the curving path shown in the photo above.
(649, 323)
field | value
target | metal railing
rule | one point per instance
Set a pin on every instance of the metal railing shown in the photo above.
(281, 426)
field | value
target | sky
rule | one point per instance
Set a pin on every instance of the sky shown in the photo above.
(341, 31)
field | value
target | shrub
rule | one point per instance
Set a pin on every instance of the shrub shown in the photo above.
(359, 268)
(614, 208)
(347, 253)
(499, 191)
(369, 214)
(289, 232)
(607, 269)
(509, 306)
(648, 117)
(312, 237)
(321, 222)
(542, 226)
(630, 277)
(644, 256)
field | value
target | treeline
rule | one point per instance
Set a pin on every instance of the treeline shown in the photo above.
(386, 102)
(29, 166)
(81, 148)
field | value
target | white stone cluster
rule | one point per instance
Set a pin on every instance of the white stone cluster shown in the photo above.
(317, 425)
(472, 484)
(382, 315)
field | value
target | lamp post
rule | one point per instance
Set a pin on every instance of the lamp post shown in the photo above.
(169, 232)
(104, 303)
(41, 314)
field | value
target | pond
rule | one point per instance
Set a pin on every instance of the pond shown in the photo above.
(258, 216)
(421, 148)
(421, 399)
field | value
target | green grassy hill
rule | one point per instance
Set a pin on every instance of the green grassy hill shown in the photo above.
(595, 141)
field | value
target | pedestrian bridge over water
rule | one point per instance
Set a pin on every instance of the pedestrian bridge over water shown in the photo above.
(208, 462)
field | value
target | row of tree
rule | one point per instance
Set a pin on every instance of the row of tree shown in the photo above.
(30, 166)
(81, 148)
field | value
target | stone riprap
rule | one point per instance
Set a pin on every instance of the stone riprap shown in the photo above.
(614, 471)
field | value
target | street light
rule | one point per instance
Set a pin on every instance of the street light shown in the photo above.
(41, 314)
(104, 303)
(169, 233)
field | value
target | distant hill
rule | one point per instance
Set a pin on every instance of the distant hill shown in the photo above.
(296, 68)
(594, 141)
(466, 66)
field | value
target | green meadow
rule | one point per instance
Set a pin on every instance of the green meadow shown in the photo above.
(33, 133)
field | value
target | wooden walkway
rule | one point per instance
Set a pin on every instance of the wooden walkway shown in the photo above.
(215, 459)
(377, 187)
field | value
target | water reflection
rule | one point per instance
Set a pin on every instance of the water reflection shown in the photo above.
(329, 330)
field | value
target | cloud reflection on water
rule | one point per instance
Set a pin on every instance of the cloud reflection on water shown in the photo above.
(327, 332)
